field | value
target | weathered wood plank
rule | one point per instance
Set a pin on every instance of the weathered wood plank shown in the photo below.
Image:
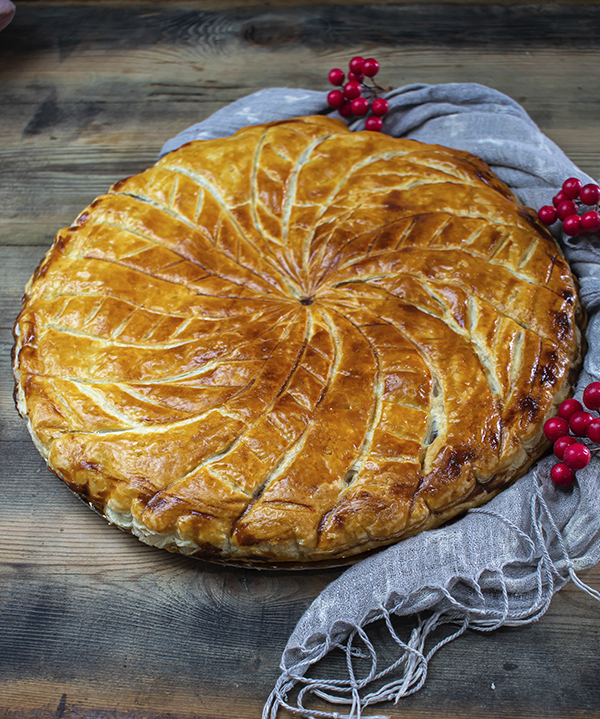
(116, 119)
(12, 427)
(115, 663)
(16, 266)
(69, 131)
(256, 5)
(46, 179)
(453, 25)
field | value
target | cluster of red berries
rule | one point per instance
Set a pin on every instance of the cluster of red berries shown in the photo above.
(566, 206)
(356, 97)
(572, 417)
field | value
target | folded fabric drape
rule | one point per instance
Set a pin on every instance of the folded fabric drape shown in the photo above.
(500, 564)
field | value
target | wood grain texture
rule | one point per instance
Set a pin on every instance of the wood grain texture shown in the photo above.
(93, 624)
(316, 26)
(74, 121)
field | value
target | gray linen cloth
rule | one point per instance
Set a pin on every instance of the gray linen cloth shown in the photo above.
(500, 564)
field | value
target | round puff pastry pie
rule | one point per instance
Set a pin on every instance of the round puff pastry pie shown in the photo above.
(296, 344)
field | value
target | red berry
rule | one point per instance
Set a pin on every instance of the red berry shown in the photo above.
(577, 456)
(360, 106)
(346, 109)
(380, 106)
(374, 124)
(591, 396)
(593, 430)
(562, 475)
(555, 427)
(352, 89)
(562, 443)
(356, 76)
(590, 194)
(557, 199)
(336, 98)
(579, 423)
(590, 221)
(572, 225)
(356, 64)
(571, 187)
(370, 67)
(565, 209)
(336, 76)
(547, 215)
(568, 408)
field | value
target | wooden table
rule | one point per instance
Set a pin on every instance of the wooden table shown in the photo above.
(92, 622)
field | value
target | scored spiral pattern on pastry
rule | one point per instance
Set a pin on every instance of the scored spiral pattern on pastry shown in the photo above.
(296, 344)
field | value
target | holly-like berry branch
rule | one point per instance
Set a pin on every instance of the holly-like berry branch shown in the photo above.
(576, 206)
(574, 422)
(357, 97)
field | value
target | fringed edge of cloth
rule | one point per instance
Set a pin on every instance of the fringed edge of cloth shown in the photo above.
(406, 674)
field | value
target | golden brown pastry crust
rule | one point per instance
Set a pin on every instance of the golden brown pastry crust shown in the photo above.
(296, 344)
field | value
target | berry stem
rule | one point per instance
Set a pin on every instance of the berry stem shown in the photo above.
(373, 89)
